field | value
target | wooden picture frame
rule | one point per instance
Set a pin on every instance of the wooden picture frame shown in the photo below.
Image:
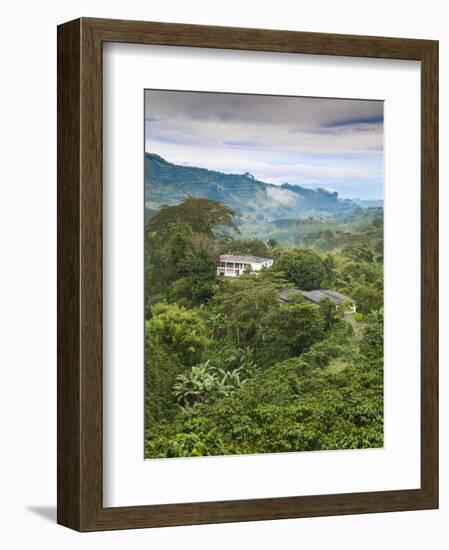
(80, 503)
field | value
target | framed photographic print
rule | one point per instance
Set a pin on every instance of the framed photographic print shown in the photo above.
(247, 288)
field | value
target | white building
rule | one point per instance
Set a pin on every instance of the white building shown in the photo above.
(232, 265)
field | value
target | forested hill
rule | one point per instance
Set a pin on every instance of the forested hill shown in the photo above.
(252, 200)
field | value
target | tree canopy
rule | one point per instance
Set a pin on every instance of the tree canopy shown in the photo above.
(202, 215)
(303, 267)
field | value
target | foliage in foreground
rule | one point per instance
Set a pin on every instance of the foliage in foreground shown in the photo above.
(297, 405)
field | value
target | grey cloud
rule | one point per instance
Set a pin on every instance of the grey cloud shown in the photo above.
(284, 110)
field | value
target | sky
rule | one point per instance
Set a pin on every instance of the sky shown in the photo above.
(313, 142)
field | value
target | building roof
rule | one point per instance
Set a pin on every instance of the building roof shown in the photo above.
(243, 259)
(337, 297)
(314, 296)
(286, 293)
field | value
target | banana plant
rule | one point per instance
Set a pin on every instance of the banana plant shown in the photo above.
(204, 382)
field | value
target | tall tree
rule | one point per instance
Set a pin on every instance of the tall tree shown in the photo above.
(303, 267)
(202, 215)
(249, 246)
(246, 300)
(288, 330)
(200, 262)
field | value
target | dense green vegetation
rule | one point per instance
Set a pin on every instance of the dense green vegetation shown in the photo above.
(229, 369)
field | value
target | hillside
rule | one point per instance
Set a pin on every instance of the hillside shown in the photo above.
(254, 201)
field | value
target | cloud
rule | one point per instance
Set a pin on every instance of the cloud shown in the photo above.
(241, 143)
(302, 112)
(284, 196)
(368, 120)
(299, 140)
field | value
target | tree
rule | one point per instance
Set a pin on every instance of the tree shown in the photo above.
(373, 335)
(249, 246)
(368, 299)
(379, 249)
(358, 252)
(164, 264)
(217, 322)
(328, 312)
(161, 369)
(245, 300)
(303, 267)
(180, 291)
(201, 263)
(377, 222)
(202, 215)
(179, 243)
(288, 330)
(181, 330)
(329, 267)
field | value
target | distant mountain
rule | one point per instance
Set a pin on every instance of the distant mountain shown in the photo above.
(369, 203)
(254, 201)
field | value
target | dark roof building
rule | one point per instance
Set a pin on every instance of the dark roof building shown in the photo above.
(315, 296)
(286, 294)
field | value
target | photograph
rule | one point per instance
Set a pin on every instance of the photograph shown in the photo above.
(263, 273)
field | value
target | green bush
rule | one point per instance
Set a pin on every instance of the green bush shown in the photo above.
(181, 330)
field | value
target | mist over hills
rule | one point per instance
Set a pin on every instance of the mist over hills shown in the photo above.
(255, 202)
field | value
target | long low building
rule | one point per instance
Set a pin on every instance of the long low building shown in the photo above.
(233, 265)
(315, 296)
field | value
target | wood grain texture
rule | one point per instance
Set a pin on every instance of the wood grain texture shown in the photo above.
(80, 274)
(69, 407)
(429, 271)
